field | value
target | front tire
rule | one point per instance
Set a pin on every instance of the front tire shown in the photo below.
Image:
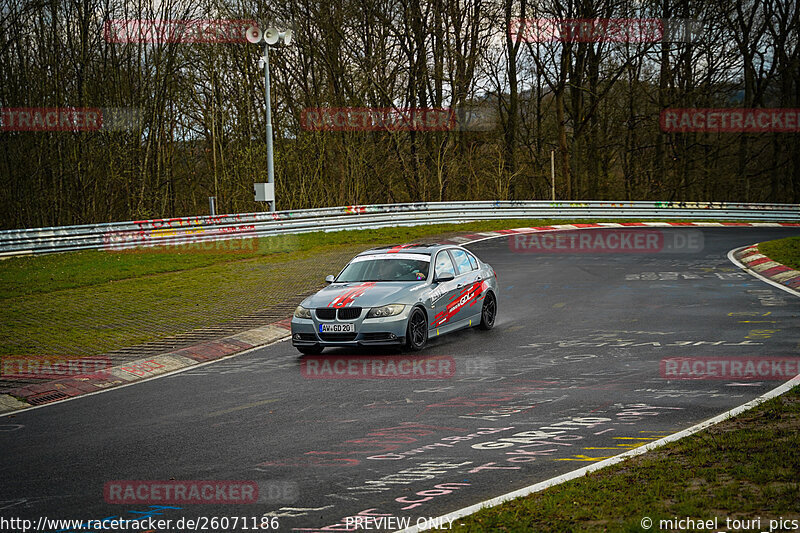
(417, 330)
(310, 350)
(488, 311)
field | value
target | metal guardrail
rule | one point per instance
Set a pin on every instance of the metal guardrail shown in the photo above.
(172, 231)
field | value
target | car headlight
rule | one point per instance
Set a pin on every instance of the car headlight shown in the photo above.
(386, 310)
(302, 312)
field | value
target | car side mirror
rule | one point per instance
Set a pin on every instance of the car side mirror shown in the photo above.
(447, 276)
(329, 278)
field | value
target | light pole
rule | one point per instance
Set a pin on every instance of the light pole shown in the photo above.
(268, 99)
(269, 37)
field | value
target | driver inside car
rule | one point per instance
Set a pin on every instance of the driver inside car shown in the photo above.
(385, 271)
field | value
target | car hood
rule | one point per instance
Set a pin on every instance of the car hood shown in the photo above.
(365, 294)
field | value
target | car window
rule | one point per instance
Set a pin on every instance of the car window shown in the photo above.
(385, 269)
(444, 265)
(473, 261)
(462, 261)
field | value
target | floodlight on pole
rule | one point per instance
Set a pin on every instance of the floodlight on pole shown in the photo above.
(269, 37)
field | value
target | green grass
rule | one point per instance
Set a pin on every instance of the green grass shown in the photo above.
(47, 273)
(744, 468)
(785, 251)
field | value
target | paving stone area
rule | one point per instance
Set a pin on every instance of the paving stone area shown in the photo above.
(233, 298)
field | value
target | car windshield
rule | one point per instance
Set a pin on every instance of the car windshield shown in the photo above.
(386, 268)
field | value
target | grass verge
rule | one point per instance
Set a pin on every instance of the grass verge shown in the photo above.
(785, 251)
(53, 272)
(744, 468)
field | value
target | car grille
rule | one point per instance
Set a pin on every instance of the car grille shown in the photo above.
(349, 313)
(337, 336)
(326, 313)
(345, 313)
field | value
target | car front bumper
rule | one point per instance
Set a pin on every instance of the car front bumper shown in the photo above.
(388, 331)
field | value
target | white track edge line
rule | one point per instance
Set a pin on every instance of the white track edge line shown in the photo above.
(136, 382)
(753, 273)
(537, 487)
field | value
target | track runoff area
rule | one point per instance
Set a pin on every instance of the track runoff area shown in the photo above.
(597, 350)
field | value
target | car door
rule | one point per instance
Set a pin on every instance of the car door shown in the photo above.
(468, 285)
(442, 294)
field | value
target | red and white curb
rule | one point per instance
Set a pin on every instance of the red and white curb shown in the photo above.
(50, 392)
(759, 265)
(475, 237)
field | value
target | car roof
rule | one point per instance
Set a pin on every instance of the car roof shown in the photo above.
(413, 248)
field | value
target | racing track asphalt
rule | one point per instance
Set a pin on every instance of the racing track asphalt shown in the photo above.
(574, 364)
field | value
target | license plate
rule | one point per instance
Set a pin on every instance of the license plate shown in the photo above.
(337, 328)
